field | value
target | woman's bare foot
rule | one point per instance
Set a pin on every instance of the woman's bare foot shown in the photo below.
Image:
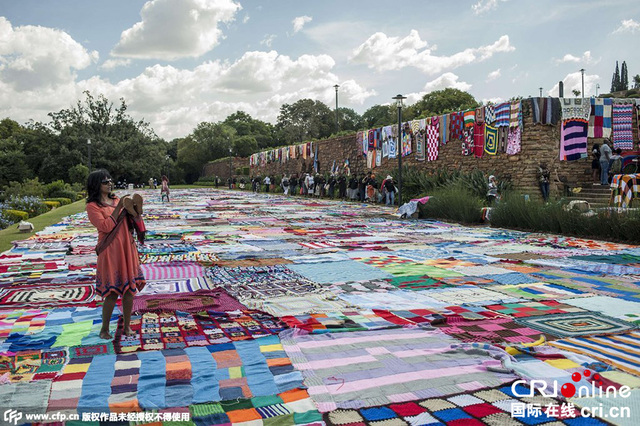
(104, 334)
(129, 332)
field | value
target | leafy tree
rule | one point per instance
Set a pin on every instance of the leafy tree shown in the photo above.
(245, 125)
(303, 120)
(576, 92)
(636, 81)
(78, 174)
(444, 101)
(244, 146)
(624, 77)
(379, 115)
(349, 120)
(13, 161)
(615, 80)
(8, 128)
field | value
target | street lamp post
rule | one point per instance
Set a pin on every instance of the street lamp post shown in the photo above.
(230, 168)
(540, 91)
(597, 87)
(337, 124)
(582, 72)
(89, 153)
(398, 98)
(167, 158)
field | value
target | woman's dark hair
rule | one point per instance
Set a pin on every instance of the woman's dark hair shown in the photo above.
(164, 177)
(94, 181)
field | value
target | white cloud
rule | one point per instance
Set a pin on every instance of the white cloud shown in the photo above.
(385, 53)
(585, 59)
(175, 100)
(628, 26)
(33, 57)
(493, 75)
(299, 22)
(111, 64)
(483, 6)
(268, 40)
(170, 30)
(245, 19)
(573, 81)
(446, 80)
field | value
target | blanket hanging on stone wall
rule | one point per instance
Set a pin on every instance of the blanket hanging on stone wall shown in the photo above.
(433, 138)
(575, 108)
(406, 140)
(502, 112)
(489, 114)
(600, 118)
(467, 142)
(444, 127)
(622, 126)
(478, 139)
(490, 139)
(420, 146)
(545, 110)
(469, 118)
(515, 115)
(514, 141)
(456, 123)
(573, 140)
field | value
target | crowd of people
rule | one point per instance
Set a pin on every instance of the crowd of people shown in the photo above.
(363, 187)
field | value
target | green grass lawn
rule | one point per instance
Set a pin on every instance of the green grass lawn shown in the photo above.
(39, 223)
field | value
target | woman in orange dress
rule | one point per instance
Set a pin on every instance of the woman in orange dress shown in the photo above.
(118, 272)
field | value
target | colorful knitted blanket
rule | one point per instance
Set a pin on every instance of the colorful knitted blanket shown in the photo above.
(600, 118)
(490, 140)
(469, 118)
(502, 112)
(622, 126)
(573, 140)
(494, 406)
(368, 368)
(545, 110)
(173, 330)
(456, 124)
(217, 299)
(575, 109)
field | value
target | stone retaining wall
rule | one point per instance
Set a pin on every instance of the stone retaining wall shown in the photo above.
(540, 143)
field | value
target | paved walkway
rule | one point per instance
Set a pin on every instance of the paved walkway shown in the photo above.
(261, 309)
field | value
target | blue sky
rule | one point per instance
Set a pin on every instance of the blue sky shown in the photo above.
(180, 62)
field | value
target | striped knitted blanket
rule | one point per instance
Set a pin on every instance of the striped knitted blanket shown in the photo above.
(600, 118)
(469, 118)
(545, 110)
(622, 126)
(620, 350)
(502, 112)
(573, 142)
(368, 368)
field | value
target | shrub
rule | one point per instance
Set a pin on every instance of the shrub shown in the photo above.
(30, 187)
(15, 216)
(514, 212)
(455, 203)
(62, 201)
(60, 189)
(34, 206)
(52, 204)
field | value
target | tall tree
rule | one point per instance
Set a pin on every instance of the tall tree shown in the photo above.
(379, 115)
(636, 81)
(245, 125)
(624, 77)
(615, 80)
(303, 120)
(443, 101)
